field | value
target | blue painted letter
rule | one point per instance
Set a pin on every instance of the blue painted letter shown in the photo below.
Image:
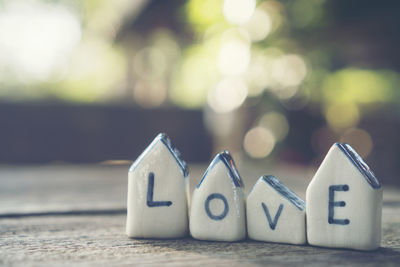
(207, 206)
(333, 204)
(272, 223)
(150, 188)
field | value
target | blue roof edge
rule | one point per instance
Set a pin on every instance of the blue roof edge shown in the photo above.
(284, 191)
(174, 152)
(360, 164)
(228, 161)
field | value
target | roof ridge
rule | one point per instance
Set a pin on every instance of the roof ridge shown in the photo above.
(173, 150)
(284, 191)
(360, 164)
(226, 158)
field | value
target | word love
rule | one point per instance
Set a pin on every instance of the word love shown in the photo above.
(344, 202)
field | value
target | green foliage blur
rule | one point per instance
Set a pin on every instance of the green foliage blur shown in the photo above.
(226, 56)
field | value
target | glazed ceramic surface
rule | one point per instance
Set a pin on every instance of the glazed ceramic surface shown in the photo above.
(218, 203)
(344, 202)
(157, 193)
(275, 213)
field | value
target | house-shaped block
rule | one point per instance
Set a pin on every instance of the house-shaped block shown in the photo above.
(344, 202)
(158, 185)
(217, 209)
(275, 213)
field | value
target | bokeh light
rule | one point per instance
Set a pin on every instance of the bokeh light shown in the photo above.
(251, 66)
(150, 63)
(359, 86)
(234, 57)
(220, 125)
(238, 11)
(204, 13)
(36, 38)
(257, 74)
(150, 94)
(194, 76)
(276, 123)
(343, 115)
(259, 142)
(276, 11)
(228, 95)
(289, 70)
(359, 139)
(164, 40)
(259, 25)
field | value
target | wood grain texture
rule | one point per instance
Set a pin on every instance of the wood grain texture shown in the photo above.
(82, 238)
(100, 240)
(47, 188)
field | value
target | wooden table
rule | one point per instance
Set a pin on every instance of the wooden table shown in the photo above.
(75, 214)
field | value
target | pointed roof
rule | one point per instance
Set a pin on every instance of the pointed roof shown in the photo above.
(162, 137)
(226, 158)
(284, 191)
(360, 164)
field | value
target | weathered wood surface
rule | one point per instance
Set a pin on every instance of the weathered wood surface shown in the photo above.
(80, 236)
(43, 188)
(100, 240)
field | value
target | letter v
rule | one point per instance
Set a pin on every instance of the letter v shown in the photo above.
(272, 223)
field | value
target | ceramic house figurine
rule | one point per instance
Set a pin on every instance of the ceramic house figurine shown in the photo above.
(275, 213)
(218, 206)
(344, 202)
(157, 193)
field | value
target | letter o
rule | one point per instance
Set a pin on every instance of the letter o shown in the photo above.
(207, 206)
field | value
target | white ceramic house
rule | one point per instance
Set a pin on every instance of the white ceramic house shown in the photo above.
(157, 193)
(218, 204)
(275, 213)
(344, 202)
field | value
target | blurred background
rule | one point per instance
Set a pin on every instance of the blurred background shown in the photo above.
(275, 82)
